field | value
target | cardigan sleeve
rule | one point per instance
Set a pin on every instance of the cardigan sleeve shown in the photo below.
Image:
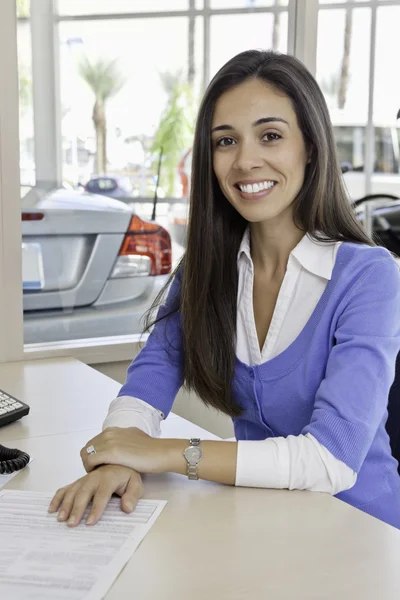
(352, 399)
(156, 374)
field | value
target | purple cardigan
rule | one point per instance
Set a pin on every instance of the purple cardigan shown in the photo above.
(332, 381)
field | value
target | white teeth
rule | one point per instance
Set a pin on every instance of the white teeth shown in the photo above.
(256, 187)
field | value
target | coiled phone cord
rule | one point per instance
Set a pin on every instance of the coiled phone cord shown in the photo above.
(12, 460)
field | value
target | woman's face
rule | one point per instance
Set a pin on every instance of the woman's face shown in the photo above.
(259, 155)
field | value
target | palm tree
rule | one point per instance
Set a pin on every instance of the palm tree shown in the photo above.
(277, 27)
(105, 80)
(191, 48)
(345, 68)
(25, 88)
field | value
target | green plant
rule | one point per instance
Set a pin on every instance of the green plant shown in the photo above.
(105, 80)
(175, 130)
(23, 8)
(25, 88)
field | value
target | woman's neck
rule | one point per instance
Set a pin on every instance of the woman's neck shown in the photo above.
(271, 245)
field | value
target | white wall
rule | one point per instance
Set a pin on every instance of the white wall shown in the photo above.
(186, 405)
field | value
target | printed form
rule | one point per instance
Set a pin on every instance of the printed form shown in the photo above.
(42, 559)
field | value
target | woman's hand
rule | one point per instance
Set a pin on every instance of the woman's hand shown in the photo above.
(130, 447)
(72, 500)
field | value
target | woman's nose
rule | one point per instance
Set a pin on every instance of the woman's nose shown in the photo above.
(247, 157)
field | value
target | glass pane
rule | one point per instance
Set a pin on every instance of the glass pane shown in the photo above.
(344, 1)
(387, 102)
(134, 112)
(88, 269)
(26, 146)
(246, 3)
(345, 84)
(23, 8)
(231, 34)
(89, 7)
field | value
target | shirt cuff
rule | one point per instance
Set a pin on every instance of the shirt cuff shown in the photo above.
(263, 464)
(294, 463)
(126, 411)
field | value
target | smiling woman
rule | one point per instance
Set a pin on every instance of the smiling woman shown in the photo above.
(297, 151)
(276, 315)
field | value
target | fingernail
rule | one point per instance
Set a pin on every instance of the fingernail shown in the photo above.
(129, 506)
(61, 516)
(90, 520)
(71, 521)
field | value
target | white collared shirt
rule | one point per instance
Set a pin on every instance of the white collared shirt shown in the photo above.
(295, 462)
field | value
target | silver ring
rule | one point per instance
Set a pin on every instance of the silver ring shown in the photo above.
(91, 450)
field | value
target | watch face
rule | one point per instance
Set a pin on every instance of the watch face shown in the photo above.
(193, 454)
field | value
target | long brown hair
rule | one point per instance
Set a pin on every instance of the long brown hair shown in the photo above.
(208, 296)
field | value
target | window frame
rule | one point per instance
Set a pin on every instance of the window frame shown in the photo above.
(302, 37)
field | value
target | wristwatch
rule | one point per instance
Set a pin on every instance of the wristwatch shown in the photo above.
(193, 455)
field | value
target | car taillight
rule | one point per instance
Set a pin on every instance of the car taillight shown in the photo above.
(148, 245)
(180, 221)
(34, 216)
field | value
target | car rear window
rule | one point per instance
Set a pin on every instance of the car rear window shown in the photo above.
(101, 185)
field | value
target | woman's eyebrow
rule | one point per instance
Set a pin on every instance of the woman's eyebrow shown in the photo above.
(255, 124)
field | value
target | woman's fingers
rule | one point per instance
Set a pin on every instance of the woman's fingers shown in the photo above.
(97, 487)
(68, 501)
(100, 501)
(82, 498)
(57, 499)
(134, 491)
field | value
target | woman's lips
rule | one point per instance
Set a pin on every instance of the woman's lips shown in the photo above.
(256, 195)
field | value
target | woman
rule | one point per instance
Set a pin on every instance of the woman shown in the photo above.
(283, 315)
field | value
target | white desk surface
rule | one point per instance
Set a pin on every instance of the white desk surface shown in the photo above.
(211, 541)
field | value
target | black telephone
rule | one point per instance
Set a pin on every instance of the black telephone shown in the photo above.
(11, 409)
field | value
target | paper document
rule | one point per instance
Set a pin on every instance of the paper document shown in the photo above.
(42, 559)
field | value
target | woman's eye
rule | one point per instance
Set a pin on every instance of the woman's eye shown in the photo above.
(225, 141)
(271, 137)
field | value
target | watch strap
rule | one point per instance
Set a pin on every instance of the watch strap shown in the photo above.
(192, 469)
(192, 472)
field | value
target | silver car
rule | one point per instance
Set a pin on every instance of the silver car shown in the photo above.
(91, 267)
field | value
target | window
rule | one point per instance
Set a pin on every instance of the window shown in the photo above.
(364, 118)
(97, 246)
(98, 234)
(387, 99)
(343, 42)
(59, 146)
(350, 142)
(88, 7)
(231, 34)
(247, 3)
(27, 158)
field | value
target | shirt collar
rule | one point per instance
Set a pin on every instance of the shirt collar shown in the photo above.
(314, 256)
(244, 247)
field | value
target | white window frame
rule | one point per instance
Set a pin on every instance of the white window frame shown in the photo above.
(302, 43)
(11, 315)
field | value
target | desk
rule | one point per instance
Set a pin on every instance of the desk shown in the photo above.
(211, 541)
